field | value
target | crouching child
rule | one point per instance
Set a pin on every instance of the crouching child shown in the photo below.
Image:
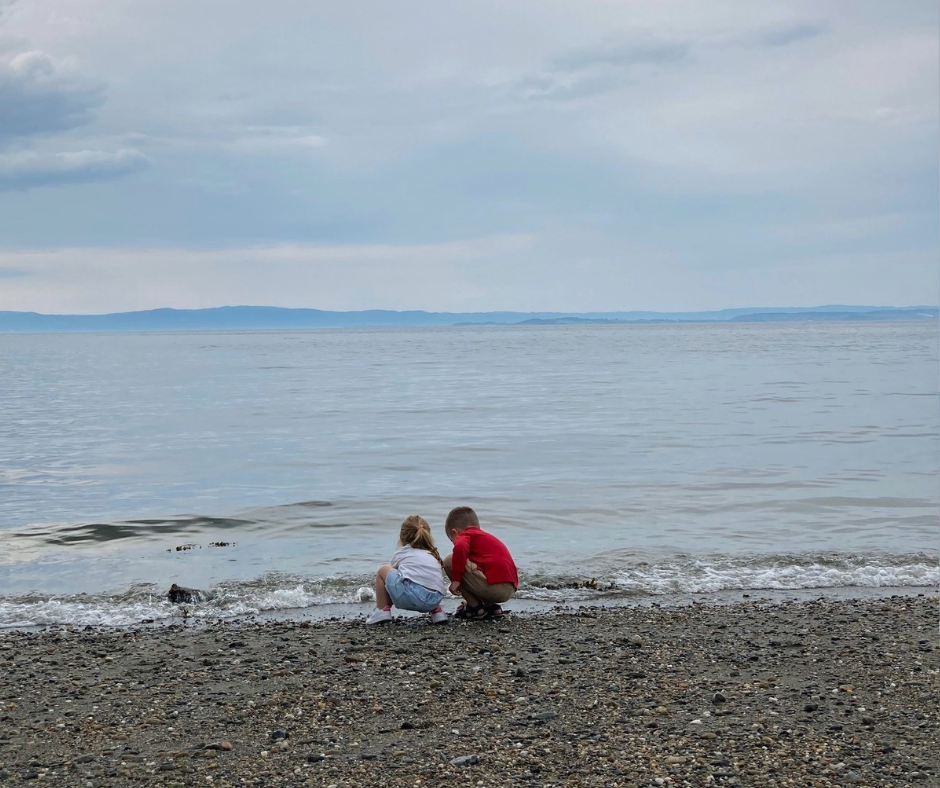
(481, 569)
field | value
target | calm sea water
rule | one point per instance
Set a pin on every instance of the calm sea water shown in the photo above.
(655, 459)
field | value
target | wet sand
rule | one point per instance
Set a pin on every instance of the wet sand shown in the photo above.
(811, 693)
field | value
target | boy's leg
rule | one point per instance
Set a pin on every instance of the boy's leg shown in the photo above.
(469, 597)
(488, 594)
(382, 599)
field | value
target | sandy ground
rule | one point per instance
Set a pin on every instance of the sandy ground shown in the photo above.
(810, 693)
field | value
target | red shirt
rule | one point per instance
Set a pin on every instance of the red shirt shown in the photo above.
(488, 553)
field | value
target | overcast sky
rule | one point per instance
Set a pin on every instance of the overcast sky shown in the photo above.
(468, 156)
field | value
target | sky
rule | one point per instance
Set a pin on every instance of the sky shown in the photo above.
(666, 155)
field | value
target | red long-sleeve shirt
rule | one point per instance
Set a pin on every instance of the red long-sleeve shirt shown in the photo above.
(488, 553)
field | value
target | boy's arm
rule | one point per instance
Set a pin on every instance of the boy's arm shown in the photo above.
(459, 561)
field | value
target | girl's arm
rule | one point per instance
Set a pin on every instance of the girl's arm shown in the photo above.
(397, 557)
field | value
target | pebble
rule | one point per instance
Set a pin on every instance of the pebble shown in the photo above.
(599, 712)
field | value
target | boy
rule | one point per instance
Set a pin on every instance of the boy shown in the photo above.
(481, 569)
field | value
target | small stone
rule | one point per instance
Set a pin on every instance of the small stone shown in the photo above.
(846, 688)
(465, 760)
(718, 698)
(543, 715)
(675, 759)
(222, 745)
(277, 735)
(809, 708)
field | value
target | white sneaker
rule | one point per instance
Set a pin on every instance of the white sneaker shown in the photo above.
(379, 616)
(438, 616)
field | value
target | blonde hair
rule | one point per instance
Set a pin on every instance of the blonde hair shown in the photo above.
(416, 533)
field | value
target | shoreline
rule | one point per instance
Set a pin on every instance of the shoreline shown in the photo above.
(821, 692)
(191, 615)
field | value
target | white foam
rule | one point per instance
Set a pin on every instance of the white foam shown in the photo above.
(74, 612)
(675, 575)
(704, 576)
(365, 594)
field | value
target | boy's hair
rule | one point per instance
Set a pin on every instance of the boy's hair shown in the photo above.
(416, 533)
(461, 518)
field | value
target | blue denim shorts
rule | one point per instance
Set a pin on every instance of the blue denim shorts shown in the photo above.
(408, 595)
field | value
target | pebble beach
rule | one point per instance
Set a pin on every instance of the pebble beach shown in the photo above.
(810, 693)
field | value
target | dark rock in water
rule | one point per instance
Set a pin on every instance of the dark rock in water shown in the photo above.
(184, 596)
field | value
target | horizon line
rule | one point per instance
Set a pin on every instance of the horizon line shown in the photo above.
(466, 312)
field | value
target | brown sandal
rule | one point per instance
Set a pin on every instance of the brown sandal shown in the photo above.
(471, 613)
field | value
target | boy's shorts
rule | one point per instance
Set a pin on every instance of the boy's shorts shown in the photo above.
(409, 595)
(475, 582)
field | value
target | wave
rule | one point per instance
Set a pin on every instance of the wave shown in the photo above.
(637, 581)
(702, 575)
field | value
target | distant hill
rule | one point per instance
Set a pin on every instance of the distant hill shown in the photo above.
(915, 313)
(231, 318)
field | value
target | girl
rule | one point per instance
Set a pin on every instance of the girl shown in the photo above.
(414, 578)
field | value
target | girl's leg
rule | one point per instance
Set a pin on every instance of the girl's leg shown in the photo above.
(382, 599)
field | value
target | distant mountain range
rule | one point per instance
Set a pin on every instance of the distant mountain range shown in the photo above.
(233, 318)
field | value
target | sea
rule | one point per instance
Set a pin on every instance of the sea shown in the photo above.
(619, 463)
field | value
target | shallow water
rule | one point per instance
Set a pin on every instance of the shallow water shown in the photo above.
(653, 460)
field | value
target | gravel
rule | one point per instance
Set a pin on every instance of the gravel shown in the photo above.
(820, 693)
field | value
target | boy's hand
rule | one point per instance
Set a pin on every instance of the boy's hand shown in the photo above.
(455, 588)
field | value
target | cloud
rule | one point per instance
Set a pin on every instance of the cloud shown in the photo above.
(40, 98)
(37, 97)
(14, 273)
(518, 272)
(29, 170)
(398, 276)
(623, 54)
(618, 63)
(603, 68)
(785, 35)
(721, 135)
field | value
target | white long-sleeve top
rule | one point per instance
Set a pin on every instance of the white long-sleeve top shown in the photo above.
(420, 567)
